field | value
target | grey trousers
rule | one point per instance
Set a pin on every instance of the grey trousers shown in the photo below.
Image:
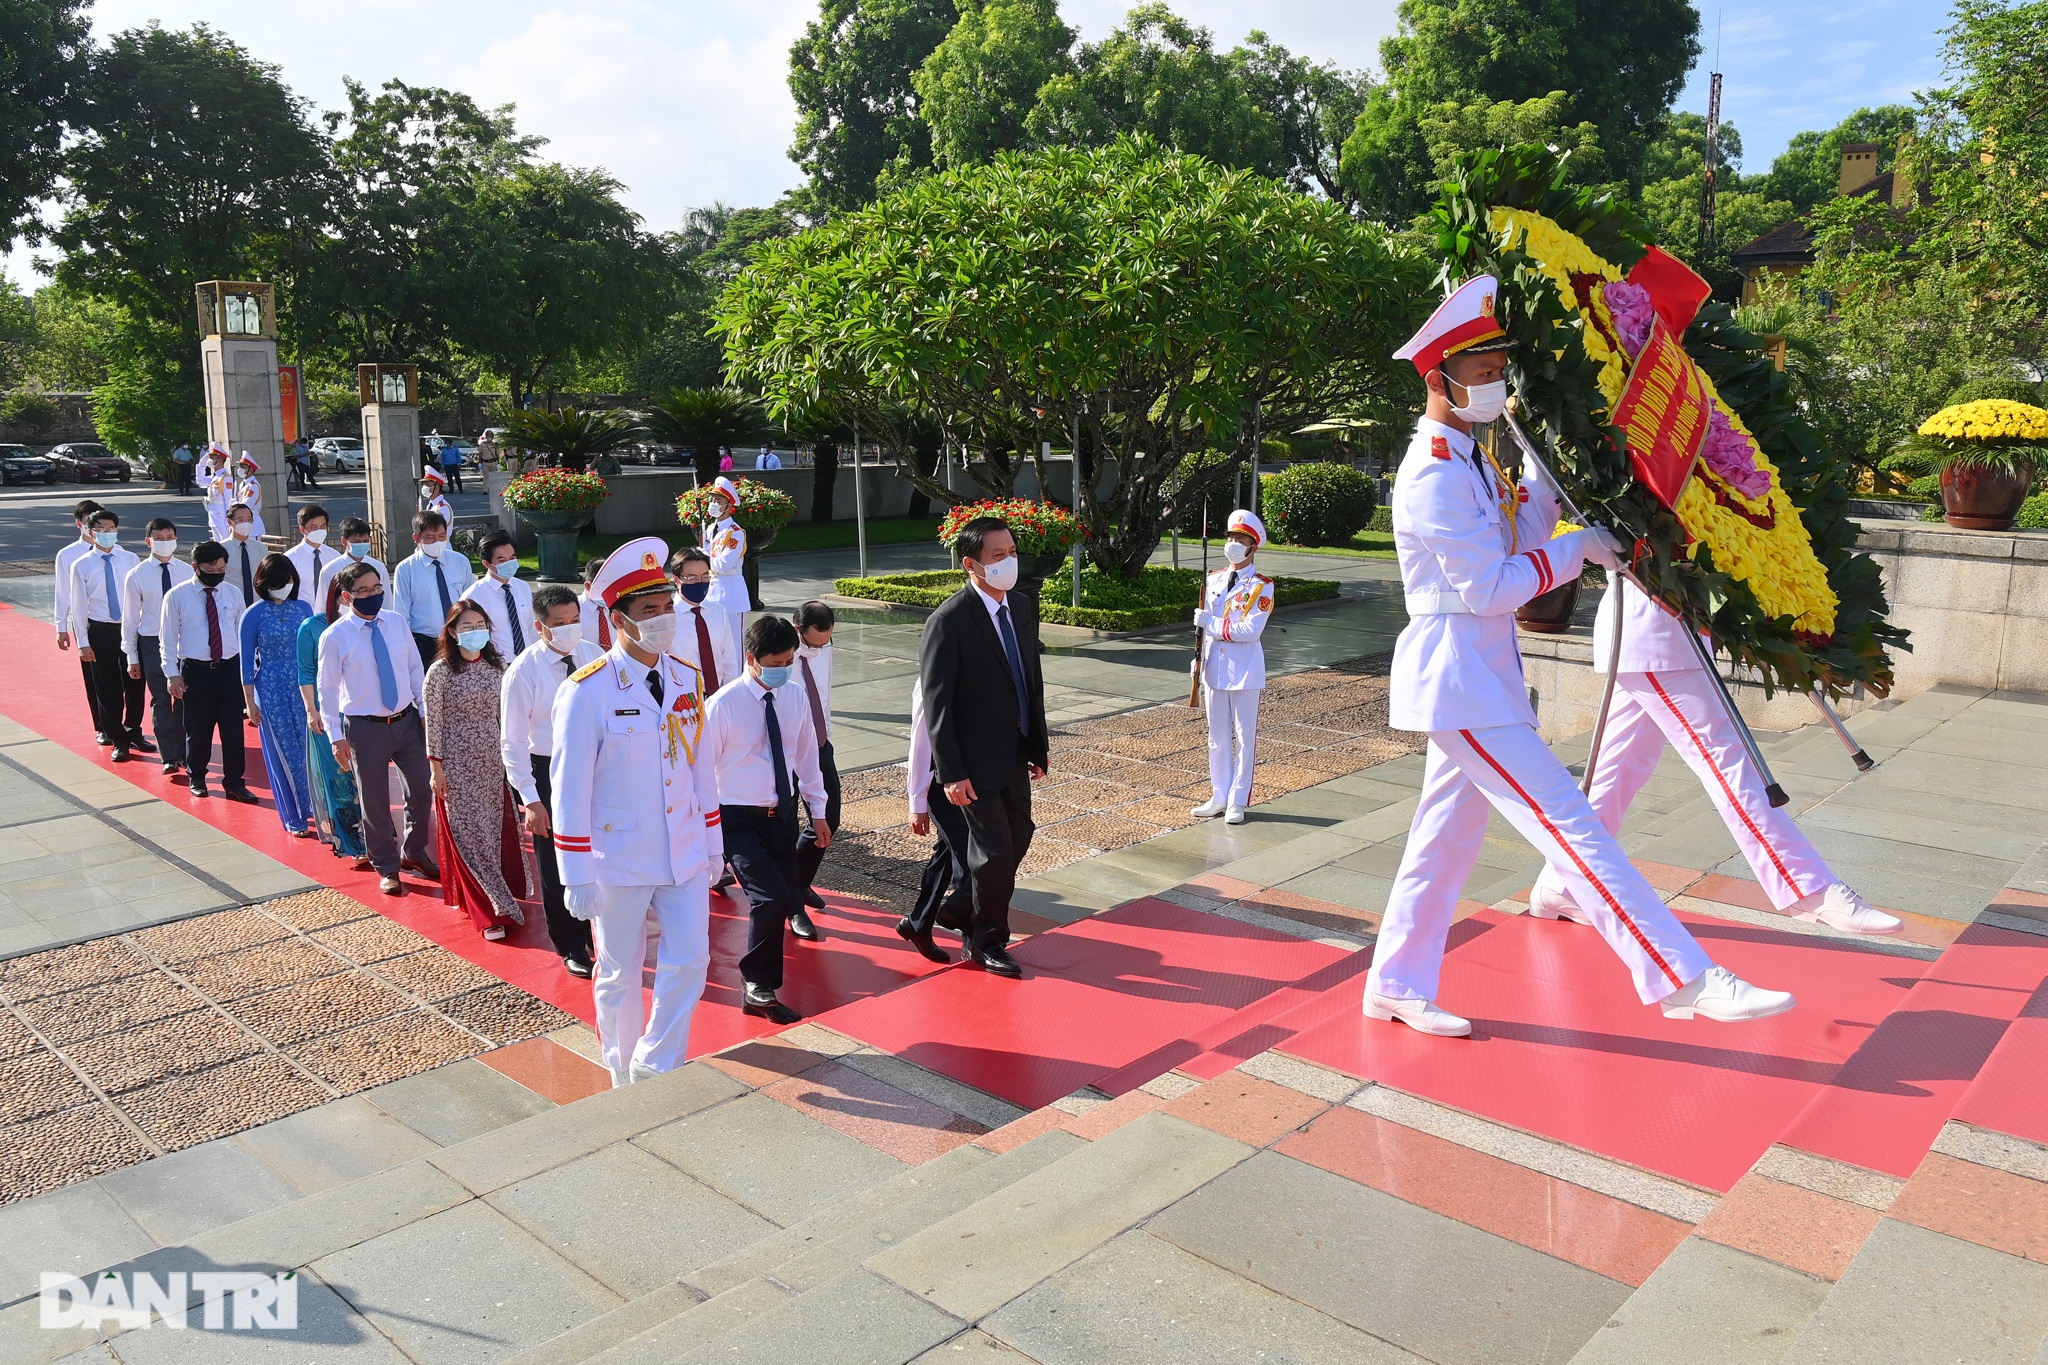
(378, 746)
(167, 721)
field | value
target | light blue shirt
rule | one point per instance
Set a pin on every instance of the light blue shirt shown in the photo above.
(349, 685)
(417, 597)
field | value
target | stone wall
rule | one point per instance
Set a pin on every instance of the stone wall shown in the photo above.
(1976, 602)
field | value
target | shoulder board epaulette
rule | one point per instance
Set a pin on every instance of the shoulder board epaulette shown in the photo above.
(1440, 447)
(594, 666)
(1263, 578)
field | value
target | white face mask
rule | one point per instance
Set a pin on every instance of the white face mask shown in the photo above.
(277, 594)
(163, 549)
(242, 529)
(565, 638)
(317, 537)
(1236, 551)
(1001, 575)
(656, 633)
(1483, 402)
(433, 549)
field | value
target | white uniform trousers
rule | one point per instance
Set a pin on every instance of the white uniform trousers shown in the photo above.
(1685, 708)
(1511, 767)
(626, 1034)
(1233, 719)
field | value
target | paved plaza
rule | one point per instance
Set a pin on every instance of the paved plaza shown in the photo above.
(1174, 1140)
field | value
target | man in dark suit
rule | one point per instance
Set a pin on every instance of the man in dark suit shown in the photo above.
(984, 705)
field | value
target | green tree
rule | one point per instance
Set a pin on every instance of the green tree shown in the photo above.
(1401, 150)
(1680, 149)
(852, 74)
(1165, 303)
(194, 163)
(71, 336)
(711, 246)
(18, 334)
(702, 420)
(571, 437)
(42, 62)
(1158, 77)
(980, 84)
(1809, 171)
(1315, 105)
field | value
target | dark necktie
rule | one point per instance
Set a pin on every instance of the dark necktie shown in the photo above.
(167, 584)
(248, 576)
(775, 755)
(654, 684)
(707, 662)
(212, 627)
(441, 581)
(518, 635)
(604, 627)
(569, 663)
(811, 691)
(316, 573)
(1015, 658)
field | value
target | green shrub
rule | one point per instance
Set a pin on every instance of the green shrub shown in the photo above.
(1316, 504)
(30, 411)
(1996, 386)
(1202, 473)
(1382, 520)
(1157, 596)
(2033, 514)
(1926, 488)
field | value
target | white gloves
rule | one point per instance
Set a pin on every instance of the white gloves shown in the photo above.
(1207, 621)
(581, 901)
(1602, 547)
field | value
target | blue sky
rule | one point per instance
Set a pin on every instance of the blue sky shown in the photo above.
(685, 101)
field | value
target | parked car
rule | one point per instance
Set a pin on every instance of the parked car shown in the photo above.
(340, 453)
(89, 462)
(19, 464)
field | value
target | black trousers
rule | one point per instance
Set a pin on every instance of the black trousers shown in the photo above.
(92, 694)
(945, 891)
(166, 717)
(120, 696)
(999, 831)
(213, 701)
(808, 854)
(454, 473)
(762, 850)
(429, 647)
(571, 936)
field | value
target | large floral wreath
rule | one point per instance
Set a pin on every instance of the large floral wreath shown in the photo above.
(1778, 583)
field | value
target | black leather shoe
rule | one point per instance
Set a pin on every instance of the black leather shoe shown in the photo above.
(922, 942)
(199, 789)
(141, 745)
(121, 754)
(997, 963)
(173, 769)
(948, 923)
(800, 925)
(577, 967)
(813, 899)
(763, 1004)
(241, 794)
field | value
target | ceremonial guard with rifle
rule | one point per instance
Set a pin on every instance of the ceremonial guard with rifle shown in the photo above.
(1230, 667)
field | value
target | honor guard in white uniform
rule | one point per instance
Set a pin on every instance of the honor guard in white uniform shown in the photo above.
(726, 543)
(249, 492)
(1474, 546)
(433, 494)
(636, 818)
(1662, 693)
(217, 477)
(1237, 601)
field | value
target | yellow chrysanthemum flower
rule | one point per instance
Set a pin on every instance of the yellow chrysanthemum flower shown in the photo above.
(1989, 419)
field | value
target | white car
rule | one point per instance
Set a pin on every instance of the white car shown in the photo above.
(343, 453)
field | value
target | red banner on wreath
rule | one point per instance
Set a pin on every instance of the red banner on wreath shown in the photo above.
(1664, 411)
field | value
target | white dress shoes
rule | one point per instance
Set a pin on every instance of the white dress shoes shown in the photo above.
(1208, 810)
(1234, 815)
(642, 1072)
(1718, 993)
(621, 1079)
(1421, 1015)
(1545, 903)
(1838, 907)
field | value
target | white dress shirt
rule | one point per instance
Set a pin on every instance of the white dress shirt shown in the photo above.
(349, 685)
(142, 597)
(918, 770)
(66, 557)
(735, 740)
(312, 562)
(327, 575)
(597, 626)
(725, 656)
(488, 592)
(416, 593)
(527, 708)
(182, 630)
(820, 661)
(90, 600)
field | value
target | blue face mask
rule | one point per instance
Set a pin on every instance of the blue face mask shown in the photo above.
(694, 592)
(473, 640)
(506, 569)
(359, 549)
(106, 540)
(772, 678)
(367, 607)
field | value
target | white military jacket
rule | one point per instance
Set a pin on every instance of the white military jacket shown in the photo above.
(726, 543)
(1457, 665)
(1233, 660)
(1652, 639)
(632, 807)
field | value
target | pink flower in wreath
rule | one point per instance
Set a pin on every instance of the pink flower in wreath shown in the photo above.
(1633, 314)
(1732, 455)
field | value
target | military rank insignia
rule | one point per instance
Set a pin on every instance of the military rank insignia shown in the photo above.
(1440, 447)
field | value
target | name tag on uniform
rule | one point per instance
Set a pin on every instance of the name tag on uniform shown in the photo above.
(631, 711)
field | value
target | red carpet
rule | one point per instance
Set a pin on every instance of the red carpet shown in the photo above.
(1121, 996)
(861, 955)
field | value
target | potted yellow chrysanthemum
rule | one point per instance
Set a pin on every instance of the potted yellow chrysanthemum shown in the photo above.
(1987, 446)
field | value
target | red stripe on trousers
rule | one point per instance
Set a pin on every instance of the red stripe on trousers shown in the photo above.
(1579, 862)
(1726, 790)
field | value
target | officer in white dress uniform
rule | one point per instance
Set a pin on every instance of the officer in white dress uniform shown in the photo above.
(433, 494)
(1662, 693)
(1472, 548)
(726, 543)
(217, 476)
(1237, 601)
(249, 492)
(636, 819)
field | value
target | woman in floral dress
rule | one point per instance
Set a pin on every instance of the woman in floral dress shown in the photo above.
(337, 810)
(270, 687)
(483, 868)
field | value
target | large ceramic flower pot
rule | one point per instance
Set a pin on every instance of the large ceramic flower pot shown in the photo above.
(1979, 497)
(556, 533)
(1550, 613)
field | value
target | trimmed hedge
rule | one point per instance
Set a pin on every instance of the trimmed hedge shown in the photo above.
(1158, 596)
(1316, 504)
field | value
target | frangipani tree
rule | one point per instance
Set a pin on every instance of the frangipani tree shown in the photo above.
(1158, 301)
